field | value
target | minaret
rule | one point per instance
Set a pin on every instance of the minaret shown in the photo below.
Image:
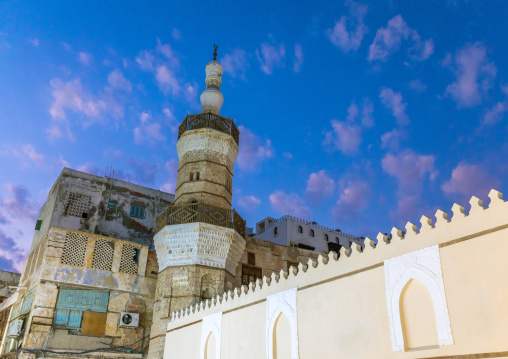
(207, 148)
(199, 240)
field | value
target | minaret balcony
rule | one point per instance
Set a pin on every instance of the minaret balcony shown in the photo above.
(198, 212)
(210, 120)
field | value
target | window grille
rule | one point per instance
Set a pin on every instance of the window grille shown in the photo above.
(74, 249)
(137, 211)
(78, 205)
(129, 261)
(251, 258)
(103, 254)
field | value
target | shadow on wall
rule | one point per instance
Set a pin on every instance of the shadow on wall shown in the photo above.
(282, 338)
(417, 317)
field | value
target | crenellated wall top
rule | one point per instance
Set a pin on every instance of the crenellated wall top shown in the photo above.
(444, 231)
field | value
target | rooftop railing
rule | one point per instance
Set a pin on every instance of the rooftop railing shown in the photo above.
(210, 120)
(288, 217)
(198, 212)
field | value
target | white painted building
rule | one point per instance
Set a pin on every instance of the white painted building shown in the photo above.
(296, 232)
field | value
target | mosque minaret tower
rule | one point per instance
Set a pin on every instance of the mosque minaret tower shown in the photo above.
(199, 240)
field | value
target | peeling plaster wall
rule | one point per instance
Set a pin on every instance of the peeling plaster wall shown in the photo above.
(127, 293)
(115, 222)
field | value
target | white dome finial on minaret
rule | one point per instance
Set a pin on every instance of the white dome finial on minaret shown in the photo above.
(211, 98)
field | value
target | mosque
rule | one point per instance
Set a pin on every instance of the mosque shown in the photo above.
(118, 270)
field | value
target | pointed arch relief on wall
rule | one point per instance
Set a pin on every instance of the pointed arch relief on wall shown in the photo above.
(285, 303)
(424, 266)
(211, 324)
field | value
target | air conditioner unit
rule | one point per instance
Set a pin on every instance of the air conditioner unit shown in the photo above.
(129, 319)
(15, 328)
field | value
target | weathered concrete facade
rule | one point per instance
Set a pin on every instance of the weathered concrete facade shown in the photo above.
(101, 205)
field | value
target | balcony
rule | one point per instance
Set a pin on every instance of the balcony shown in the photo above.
(197, 212)
(210, 120)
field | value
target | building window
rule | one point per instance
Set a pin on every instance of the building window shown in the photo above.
(137, 211)
(82, 311)
(191, 176)
(38, 224)
(78, 205)
(311, 233)
(197, 176)
(251, 258)
(111, 204)
(326, 237)
(275, 231)
(337, 240)
(300, 229)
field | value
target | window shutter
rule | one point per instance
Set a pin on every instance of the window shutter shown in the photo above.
(133, 211)
(38, 224)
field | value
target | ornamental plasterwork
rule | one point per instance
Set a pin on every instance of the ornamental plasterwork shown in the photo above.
(207, 140)
(198, 243)
(211, 324)
(424, 266)
(282, 302)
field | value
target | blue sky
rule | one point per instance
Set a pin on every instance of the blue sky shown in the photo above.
(358, 115)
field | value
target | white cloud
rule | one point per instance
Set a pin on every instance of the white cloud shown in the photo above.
(148, 131)
(475, 74)
(85, 58)
(354, 197)
(34, 42)
(388, 40)
(495, 114)
(176, 34)
(349, 40)
(290, 204)
(418, 85)
(468, 180)
(298, 58)
(235, 63)
(319, 186)
(252, 152)
(117, 81)
(271, 56)
(410, 170)
(395, 103)
(70, 96)
(145, 60)
(364, 113)
(166, 80)
(249, 202)
(391, 140)
(346, 136)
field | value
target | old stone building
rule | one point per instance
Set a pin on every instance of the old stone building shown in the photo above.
(105, 250)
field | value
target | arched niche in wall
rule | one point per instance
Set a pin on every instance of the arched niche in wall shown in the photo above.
(211, 327)
(281, 316)
(417, 316)
(281, 338)
(423, 266)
